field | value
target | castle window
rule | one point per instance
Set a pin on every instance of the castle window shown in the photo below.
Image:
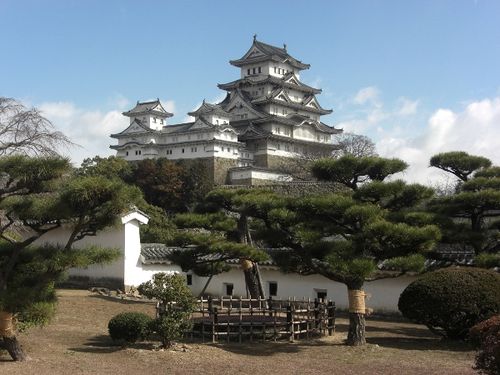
(229, 149)
(254, 70)
(278, 146)
(126, 153)
(260, 69)
(161, 121)
(217, 122)
(248, 72)
(182, 150)
(273, 288)
(274, 69)
(154, 119)
(228, 289)
(189, 279)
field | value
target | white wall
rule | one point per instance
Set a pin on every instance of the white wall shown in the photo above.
(385, 293)
(112, 237)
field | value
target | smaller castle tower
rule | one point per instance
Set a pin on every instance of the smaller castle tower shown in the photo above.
(149, 114)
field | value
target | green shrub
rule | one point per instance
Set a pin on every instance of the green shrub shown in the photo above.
(129, 327)
(176, 304)
(487, 335)
(450, 301)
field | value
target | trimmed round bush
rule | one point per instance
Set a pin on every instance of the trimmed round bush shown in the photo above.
(129, 326)
(487, 335)
(452, 300)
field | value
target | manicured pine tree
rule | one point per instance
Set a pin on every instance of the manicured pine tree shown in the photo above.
(473, 210)
(38, 195)
(344, 236)
(225, 234)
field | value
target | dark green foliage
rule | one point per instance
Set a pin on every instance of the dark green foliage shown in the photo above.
(487, 260)
(451, 301)
(176, 303)
(31, 291)
(37, 196)
(350, 170)
(160, 228)
(224, 230)
(487, 335)
(459, 163)
(130, 327)
(473, 210)
(110, 167)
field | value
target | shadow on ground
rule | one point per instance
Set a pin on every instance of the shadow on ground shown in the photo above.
(103, 344)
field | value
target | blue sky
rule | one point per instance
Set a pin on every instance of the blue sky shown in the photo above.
(393, 70)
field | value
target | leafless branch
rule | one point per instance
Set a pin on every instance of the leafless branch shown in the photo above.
(26, 131)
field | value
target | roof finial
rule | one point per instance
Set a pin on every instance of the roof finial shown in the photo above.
(254, 37)
(284, 46)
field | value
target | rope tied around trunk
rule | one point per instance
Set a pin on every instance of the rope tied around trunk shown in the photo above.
(7, 328)
(246, 264)
(357, 301)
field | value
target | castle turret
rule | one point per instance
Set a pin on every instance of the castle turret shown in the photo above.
(149, 114)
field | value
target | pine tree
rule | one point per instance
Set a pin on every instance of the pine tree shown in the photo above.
(222, 232)
(38, 195)
(345, 236)
(472, 214)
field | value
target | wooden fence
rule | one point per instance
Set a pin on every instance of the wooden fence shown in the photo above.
(239, 319)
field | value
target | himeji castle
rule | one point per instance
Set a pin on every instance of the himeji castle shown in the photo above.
(267, 117)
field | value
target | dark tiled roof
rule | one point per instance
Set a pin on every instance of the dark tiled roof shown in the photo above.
(247, 82)
(156, 253)
(270, 53)
(208, 108)
(445, 255)
(148, 107)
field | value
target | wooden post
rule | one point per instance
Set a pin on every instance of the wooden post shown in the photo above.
(270, 305)
(289, 322)
(215, 325)
(317, 324)
(331, 318)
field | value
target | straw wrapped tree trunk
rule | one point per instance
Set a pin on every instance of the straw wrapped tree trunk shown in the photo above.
(8, 335)
(357, 311)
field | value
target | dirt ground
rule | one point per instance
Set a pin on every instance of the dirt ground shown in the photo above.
(76, 342)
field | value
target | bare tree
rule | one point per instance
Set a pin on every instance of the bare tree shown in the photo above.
(354, 144)
(25, 131)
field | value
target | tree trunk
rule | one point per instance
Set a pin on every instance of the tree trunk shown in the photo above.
(9, 339)
(357, 310)
(206, 285)
(12, 345)
(251, 278)
(356, 335)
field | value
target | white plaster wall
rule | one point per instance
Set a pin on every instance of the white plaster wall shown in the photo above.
(261, 175)
(112, 237)
(385, 293)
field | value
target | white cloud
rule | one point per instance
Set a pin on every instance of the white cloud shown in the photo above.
(366, 95)
(88, 129)
(474, 130)
(169, 105)
(407, 107)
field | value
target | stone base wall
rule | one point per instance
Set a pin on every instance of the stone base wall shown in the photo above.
(220, 170)
(294, 189)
